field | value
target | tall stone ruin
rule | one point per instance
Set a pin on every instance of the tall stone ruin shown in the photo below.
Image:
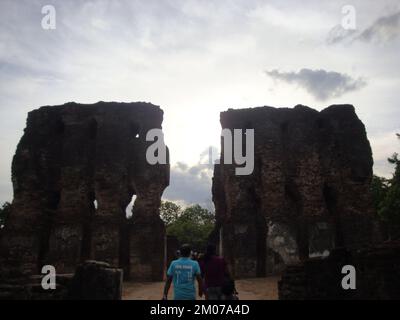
(308, 193)
(70, 158)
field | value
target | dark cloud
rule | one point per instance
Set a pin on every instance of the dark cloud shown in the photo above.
(383, 30)
(190, 184)
(338, 34)
(320, 83)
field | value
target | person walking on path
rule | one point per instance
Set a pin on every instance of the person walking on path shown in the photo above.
(183, 272)
(215, 273)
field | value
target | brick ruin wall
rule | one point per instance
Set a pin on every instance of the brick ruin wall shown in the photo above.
(308, 193)
(70, 158)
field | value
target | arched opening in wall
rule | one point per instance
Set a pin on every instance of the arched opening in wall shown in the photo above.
(86, 245)
(129, 208)
(125, 236)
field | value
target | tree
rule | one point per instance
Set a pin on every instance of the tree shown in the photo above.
(4, 212)
(389, 207)
(193, 226)
(379, 187)
(169, 212)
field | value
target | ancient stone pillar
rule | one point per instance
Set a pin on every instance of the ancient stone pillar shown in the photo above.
(308, 193)
(74, 173)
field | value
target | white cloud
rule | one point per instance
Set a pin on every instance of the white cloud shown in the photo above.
(383, 146)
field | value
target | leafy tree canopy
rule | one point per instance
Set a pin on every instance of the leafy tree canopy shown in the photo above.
(386, 193)
(190, 225)
(169, 212)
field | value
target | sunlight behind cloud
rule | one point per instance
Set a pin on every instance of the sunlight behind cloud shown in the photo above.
(193, 59)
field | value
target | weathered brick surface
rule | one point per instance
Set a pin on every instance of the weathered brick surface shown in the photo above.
(68, 157)
(308, 193)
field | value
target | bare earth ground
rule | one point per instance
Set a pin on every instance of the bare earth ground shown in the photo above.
(249, 289)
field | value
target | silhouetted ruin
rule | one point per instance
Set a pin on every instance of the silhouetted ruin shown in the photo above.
(308, 193)
(304, 211)
(74, 173)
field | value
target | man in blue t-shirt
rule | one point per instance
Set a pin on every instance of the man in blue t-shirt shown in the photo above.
(182, 273)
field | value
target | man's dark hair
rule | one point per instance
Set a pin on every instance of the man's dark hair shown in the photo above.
(185, 250)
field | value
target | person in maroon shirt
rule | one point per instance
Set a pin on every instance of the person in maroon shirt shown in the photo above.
(215, 272)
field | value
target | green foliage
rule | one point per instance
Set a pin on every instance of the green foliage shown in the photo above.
(394, 159)
(4, 212)
(190, 225)
(387, 195)
(379, 188)
(169, 212)
(390, 207)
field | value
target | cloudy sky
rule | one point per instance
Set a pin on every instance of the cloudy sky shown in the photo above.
(196, 59)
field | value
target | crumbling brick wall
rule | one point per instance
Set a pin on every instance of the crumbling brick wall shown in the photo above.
(308, 193)
(69, 158)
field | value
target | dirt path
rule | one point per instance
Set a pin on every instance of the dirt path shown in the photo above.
(249, 289)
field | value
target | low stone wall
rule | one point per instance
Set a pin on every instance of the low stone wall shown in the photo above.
(92, 280)
(31, 288)
(377, 269)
